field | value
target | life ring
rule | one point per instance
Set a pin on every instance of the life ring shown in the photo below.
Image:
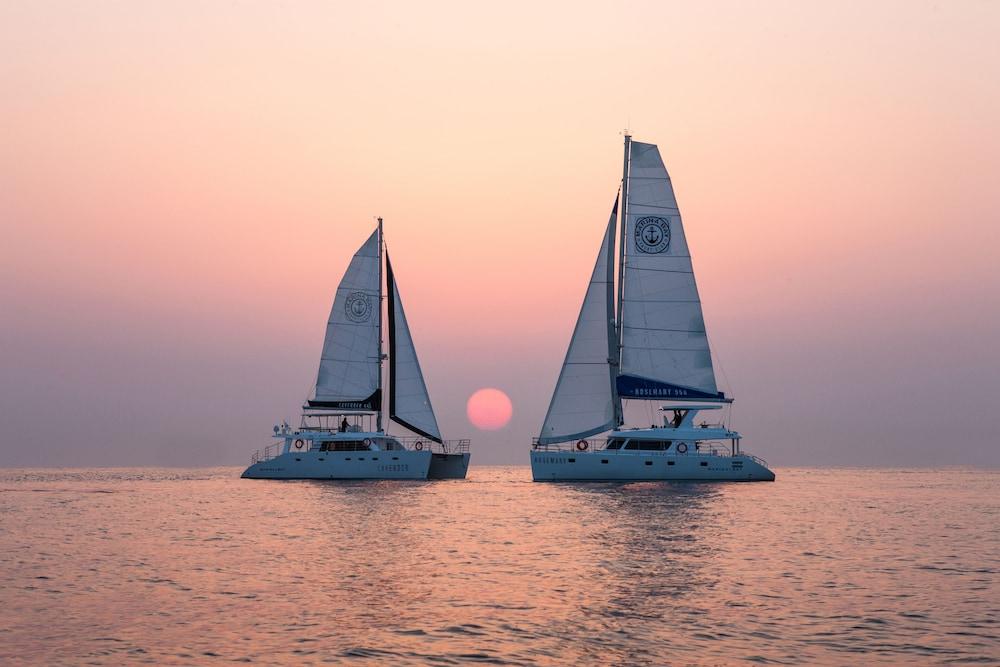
(419, 446)
(682, 448)
(299, 443)
(582, 445)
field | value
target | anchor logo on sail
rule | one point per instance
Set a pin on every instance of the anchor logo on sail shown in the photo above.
(357, 307)
(652, 234)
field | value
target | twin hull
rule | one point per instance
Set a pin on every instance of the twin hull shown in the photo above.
(556, 466)
(401, 464)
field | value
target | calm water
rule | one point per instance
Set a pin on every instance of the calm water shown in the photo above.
(830, 567)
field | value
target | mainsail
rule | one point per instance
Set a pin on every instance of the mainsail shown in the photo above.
(409, 402)
(349, 367)
(665, 353)
(583, 402)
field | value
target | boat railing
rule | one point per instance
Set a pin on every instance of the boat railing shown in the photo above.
(600, 445)
(265, 453)
(446, 447)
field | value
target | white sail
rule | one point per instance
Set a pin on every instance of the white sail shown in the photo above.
(349, 368)
(665, 351)
(583, 401)
(409, 402)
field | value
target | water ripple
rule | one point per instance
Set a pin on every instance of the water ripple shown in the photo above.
(180, 567)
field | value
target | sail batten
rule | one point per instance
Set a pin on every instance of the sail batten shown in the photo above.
(664, 345)
(348, 374)
(583, 401)
(409, 401)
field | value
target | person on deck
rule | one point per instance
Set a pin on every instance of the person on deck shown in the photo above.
(343, 426)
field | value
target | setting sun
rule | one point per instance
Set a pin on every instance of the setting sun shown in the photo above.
(489, 409)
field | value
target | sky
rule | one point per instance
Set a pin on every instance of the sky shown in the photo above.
(182, 186)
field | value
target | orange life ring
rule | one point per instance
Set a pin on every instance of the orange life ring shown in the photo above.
(299, 443)
(682, 448)
(582, 445)
(419, 446)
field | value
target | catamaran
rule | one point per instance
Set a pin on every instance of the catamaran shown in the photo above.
(341, 435)
(647, 342)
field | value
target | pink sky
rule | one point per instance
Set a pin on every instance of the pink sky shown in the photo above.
(182, 185)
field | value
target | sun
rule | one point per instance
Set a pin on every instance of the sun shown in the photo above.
(489, 409)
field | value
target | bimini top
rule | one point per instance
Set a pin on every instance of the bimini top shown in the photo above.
(708, 406)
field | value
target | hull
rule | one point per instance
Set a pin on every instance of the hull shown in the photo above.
(604, 466)
(448, 466)
(343, 465)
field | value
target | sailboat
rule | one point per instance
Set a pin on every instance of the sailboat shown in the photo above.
(341, 434)
(641, 337)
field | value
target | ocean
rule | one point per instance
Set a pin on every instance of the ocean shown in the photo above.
(184, 566)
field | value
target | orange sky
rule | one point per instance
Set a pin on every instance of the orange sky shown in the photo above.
(181, 187)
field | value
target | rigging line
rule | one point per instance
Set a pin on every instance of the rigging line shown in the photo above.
(725, 376)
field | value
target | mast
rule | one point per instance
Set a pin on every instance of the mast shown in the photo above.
(617, 352)
(381, 356)
(612, 328)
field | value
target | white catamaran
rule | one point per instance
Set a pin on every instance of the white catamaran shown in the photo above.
(652, 347)
(337, 438)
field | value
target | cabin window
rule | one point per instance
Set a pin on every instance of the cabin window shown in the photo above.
(348, 446)
(653, 445)
(395, 458)
(632, 445)
(615, 443)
